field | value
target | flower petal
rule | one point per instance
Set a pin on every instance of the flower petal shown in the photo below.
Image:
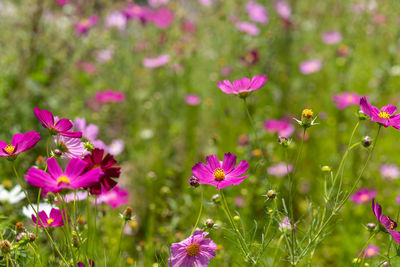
(229, 162)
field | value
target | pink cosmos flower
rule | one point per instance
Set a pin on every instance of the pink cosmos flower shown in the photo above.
(19, 143)
(346, 99)
(384, 116)
(282, 127)
(192, 99)
(116, 20)
(279, 170)
(370, 251)
(74, 176)
(61, 127)
(283, 9)
(389, 171)
(220, 175)
(115, 197)
(194, 250)
(105, 55)
(205, 2)
(89, 132)
(55, 219)
(243, 87)
(156, 62)
(87, 67)
(257, 12)
(62, 2)
(248, 28)
(134, 11)
(285, 225)
(71, 197)
(331, 37)
(310, 66)
(385, 221)
(110, 96)
(83, 26)
(157, 3)
(363, 196)
(70, 147)
(162, 18)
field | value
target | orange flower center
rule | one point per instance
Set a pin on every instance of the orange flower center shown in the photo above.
(9, 149)
(50, 221)
(364, 198)
(391, 225)
(384, 115)
(63, 179)
(193, 249)
(219, 174)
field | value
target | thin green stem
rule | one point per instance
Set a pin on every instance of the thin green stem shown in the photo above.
(200, 211)
(276, 251)
(36, 254)
(119, 243)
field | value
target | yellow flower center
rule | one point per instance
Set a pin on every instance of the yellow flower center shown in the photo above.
(9, 149)
(63, 179)
(308, 113)
(219, 174)
(364, 198)
(391, 225)
(384, 115)
(50, 221)
(193, 249)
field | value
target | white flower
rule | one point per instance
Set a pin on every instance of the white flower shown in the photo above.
(14, 196)
(28, 211)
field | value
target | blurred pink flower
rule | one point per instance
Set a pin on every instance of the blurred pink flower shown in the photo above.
(346, 99)
(116, 147)
(310, 66)
(156, 62)
(226, 71)
(87, 67)
(192, 99)
(115, 197)
(70, 197)
(62, 2)
(109, 96)
(389, 171)
(257, 12)
(248, 28)
(105, 55)
(371, 251)
(239, 201)
(363, 196)
(279, 170)
(205, 2)
(83, 26)
(157, 3)
(134, 11)
(331, 37)
(282, 127)
(283, 9)
(116, 20)
(162, 17)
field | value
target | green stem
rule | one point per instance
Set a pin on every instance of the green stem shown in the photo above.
(36, 254)
(200, 211)
(252, 123)
(119, 243)
(276, 251)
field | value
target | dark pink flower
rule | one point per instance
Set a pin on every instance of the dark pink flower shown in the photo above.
(346, 99)
(134, 11)
(385, 221)
(192, 99)
(115, 197)
(220, 174)
(156, 61)
(384, 116)
(363, 196)
(110, 96)
(248, 28)
(282, 127)
(243, 87)
(162, 18)
(310, 66)
(55, 219)
(62, 2)
(257, 12)
(331, 37)
(74, 176)
(61, 127)
(83, 26)
(194, 250)
(19, 143)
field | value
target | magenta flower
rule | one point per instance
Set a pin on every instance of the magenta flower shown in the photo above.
(162, 18)
(55, 219)
(156, 62)
(157, 3)
(346, 99)
(194, 250)
(243, 87)
(331, 37)
(370, 251)
(115, 197)
(220, 175)
(61, 127)
(134, 11)
(83, 26)
(70, 147)
(389, 171)
(89, 132)
(282, 127)
(192, 99)
(285, 225)
(279, 170)
(248, 28)
(257, 12)
(363, 196)
(62, 2)
(19, 143)
(384, 116)
(385, 221)
(74, 176)
(310, 66)
(110, 96)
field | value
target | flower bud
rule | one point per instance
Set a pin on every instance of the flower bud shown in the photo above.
(271, 194)
(236, 218)
(283, 141)
(75, 239)
(209, 223)
(385, 264)
(216, 199)
(7, 184)
(81, 222)
(51, 197)
(366, 141)
(19, 227)
(307, 116)
(5, 247)
(194, 181)
(88, 146)
(40, 162)
(325, 168)
(362, 116)
(127, 215)
(20, 236)
(32, 237)
(371, 226)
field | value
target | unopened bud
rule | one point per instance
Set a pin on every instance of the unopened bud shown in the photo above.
(5, 247)
(81, 222)
(75, 239)
(236, 218)
(216, 199)
(40, 162)
(19, 227)
(20, 236)
(194, 181)
(127, 214)
(385, 264)
(362, 116)
(325, 168)
(271, 194)
(57, 152)
(283, 141)
(307, 116)
(209, 223)
(366, 141)
(88, 146)
(51, 197)
(32, 237)
(371, 226)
